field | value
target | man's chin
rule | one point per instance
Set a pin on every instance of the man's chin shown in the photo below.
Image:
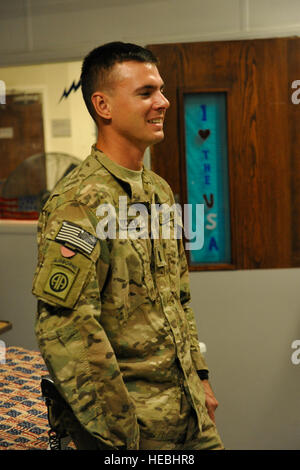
(158, 138)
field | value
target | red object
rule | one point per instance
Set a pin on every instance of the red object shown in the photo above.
(10, 209)
(66, 252)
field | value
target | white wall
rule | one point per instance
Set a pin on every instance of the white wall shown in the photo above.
(51, 80)
(248, 319)
(35, 31)
(18, 255)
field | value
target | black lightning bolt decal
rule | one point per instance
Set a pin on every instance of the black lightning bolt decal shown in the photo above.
(72, 87)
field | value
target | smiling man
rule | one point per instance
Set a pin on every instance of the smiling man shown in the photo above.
(134, 106)
(114, 323)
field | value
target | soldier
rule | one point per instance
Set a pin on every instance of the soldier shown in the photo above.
(114, 323)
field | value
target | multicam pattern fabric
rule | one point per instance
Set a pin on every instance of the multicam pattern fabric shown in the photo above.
(114, 325)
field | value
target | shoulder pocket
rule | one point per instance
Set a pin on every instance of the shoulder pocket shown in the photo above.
(59, 280)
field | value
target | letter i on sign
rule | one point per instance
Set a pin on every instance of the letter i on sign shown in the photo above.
(203, 112)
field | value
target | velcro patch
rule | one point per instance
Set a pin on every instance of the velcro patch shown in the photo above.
(66, 252)
(76, 237)
(60, 281)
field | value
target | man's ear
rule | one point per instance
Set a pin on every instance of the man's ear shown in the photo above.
(101, 104)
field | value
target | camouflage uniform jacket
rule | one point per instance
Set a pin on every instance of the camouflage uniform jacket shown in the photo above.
(114, 323)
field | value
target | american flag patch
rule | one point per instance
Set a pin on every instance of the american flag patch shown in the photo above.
(76, 237)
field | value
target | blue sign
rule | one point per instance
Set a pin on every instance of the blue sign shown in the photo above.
(207, 173)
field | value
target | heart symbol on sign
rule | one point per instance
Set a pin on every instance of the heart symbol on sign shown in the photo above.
(204, 133)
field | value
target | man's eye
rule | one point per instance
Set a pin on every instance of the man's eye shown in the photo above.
(145, 93)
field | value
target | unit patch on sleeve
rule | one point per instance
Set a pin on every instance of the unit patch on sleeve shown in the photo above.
(76, 237)
(60, 281)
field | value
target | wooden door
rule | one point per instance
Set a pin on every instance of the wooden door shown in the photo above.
(21, 130)
(263, 139)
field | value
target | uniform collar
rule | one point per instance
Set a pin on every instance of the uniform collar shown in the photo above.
(150, 193)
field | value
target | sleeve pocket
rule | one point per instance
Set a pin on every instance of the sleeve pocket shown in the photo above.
(59, 280)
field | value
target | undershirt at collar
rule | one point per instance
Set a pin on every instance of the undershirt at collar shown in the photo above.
(134, 176)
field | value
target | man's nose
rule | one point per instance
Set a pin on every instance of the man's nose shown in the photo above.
(161, 102)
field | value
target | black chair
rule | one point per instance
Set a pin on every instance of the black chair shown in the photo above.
(56, 407)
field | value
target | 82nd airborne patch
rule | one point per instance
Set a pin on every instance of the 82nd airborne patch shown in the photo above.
(60, 281)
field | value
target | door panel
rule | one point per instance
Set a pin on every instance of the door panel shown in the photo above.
(257, 75)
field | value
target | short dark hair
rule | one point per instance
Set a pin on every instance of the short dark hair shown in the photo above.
(100, 61)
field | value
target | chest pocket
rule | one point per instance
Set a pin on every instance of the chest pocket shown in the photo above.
(137, 256)
(130, 284)
(59, 280)
(170, 231)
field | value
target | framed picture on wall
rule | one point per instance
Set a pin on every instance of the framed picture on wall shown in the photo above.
(205, 176)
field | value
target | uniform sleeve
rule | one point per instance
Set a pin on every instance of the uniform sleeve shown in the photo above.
(185, 298)
(68, 327)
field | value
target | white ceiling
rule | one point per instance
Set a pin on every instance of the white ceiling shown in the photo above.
(16, 8)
